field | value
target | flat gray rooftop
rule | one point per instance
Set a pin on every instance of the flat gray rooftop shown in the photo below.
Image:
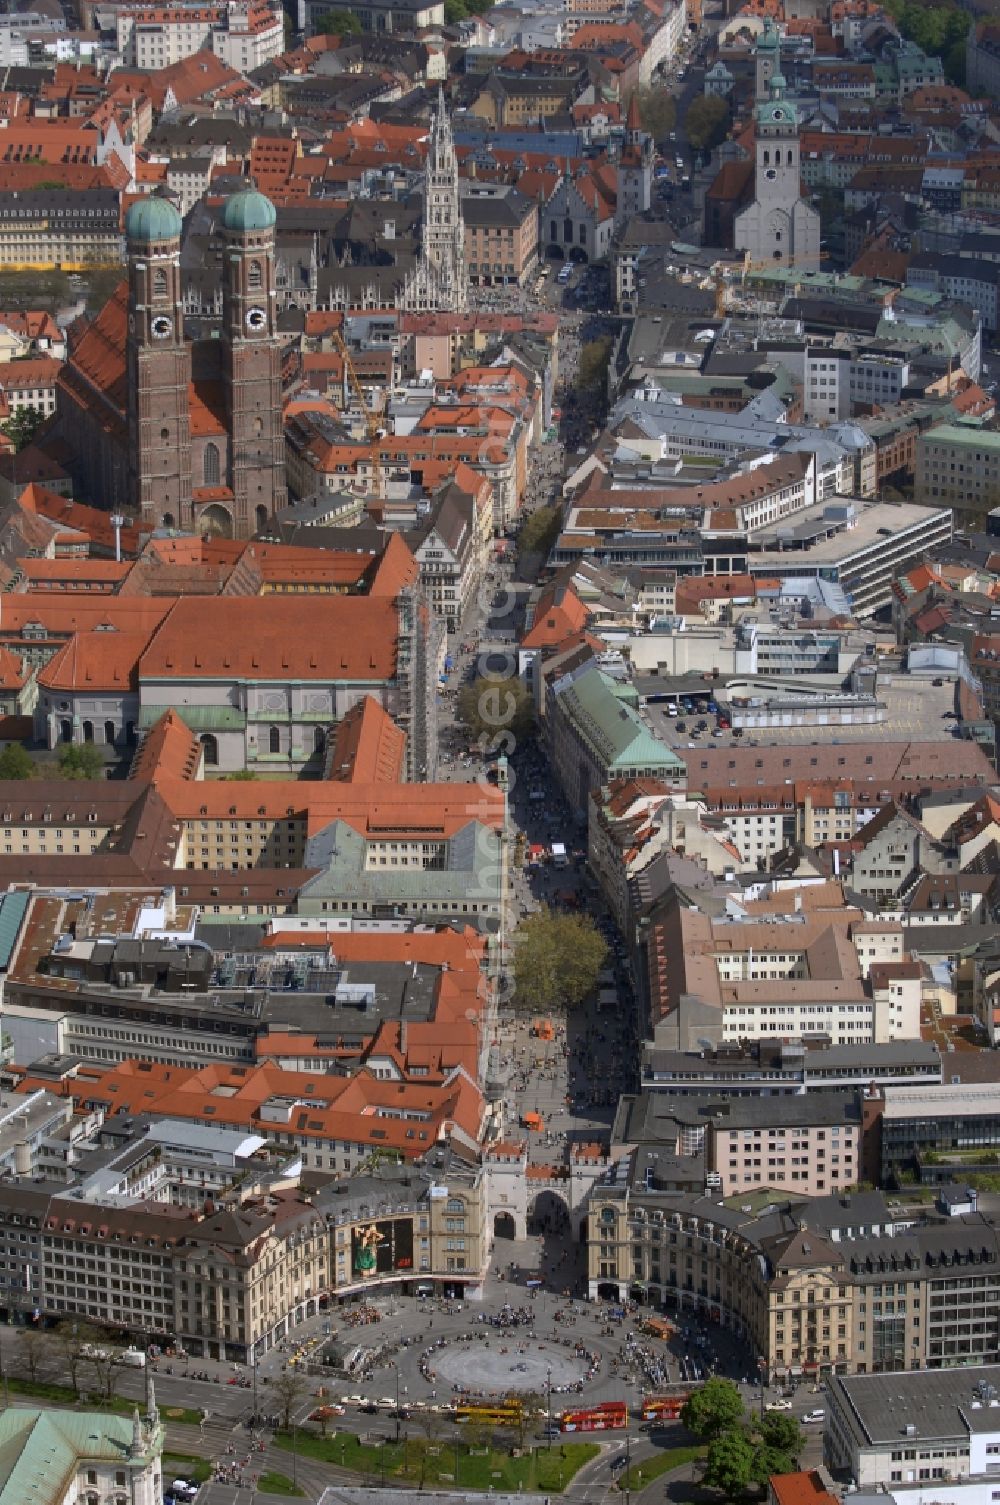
(939, 1403)
(914, 712)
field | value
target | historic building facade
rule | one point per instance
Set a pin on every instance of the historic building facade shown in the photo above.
(779, 226)
(439, 282)
(182, 433)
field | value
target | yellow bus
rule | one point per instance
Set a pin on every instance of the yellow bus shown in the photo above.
(500, 1414)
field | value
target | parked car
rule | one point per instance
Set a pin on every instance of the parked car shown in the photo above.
(778, 1405)
(818, 1415)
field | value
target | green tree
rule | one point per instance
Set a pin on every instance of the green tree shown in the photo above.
(70, 1339)
(15, 762)
(339, 23)
(657, 110)
(716, 1408)
(540, 530)
(593, 368)
(80, 760)
(557, 960)
(770, 1460)
(532, 1410)
(781, 1431)
(33, 1353)
(490, 706)
(22, 426)
(289, 1388)
(731, 1463)
(706, 122)
(454, 11)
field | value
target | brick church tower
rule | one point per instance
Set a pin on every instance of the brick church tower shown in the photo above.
(251, 362)
(158, 366)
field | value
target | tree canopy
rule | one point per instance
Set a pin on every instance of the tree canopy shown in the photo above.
(488, 707)
(938, 29)
(557, 960)
(781, 1430)
(540, 530)
(22, 426)
(657, 110)
(593, 367)
(80, 760)
(339, 23)
(15, 763)
(730, 1463)
(741, 1453)
(716, 1408)
(706, 122)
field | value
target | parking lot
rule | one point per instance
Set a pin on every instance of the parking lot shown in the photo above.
(914, 709)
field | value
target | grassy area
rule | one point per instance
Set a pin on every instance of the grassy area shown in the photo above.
(427, 1463)
(65, 1395)
(277, 1484)
(186, 1466)
(641, 1474)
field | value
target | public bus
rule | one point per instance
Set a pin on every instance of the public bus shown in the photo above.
(607, 1417)
(497, 1413)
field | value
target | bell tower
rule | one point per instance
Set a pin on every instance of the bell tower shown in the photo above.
(251, 362)
(158, 365)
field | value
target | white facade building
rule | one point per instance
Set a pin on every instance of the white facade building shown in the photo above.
(780, 225)
(243, 35)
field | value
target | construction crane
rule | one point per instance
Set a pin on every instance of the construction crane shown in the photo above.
(372, 427)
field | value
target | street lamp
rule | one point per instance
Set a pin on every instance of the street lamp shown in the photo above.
(548, 1398)
(395, 1368)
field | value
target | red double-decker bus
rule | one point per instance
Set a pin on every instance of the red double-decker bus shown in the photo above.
(666, 1406)
(607, 1417)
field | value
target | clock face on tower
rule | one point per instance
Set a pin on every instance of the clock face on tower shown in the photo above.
(256, 320)
(161, 327)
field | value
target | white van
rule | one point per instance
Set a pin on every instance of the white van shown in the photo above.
(134, 1358)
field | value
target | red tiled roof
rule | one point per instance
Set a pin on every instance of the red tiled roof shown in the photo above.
(95, 661)
(276, 637)
(368, 746)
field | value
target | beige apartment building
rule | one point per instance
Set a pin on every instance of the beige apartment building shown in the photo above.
(808, 1144)
(501, 235)
(836, 1284)
(232, 1280)
(801, 964)
(60, 228)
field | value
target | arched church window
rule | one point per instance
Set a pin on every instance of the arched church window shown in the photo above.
(255, 276)
(159, 283)
(211, 465)
(767, 158)
(789, 156)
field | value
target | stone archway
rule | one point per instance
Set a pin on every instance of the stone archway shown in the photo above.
(216, 522)
(548, 1212)
(504, 1226)
(554, 252)
(579, 255)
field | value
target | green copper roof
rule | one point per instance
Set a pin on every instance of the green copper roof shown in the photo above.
(152, 219)
(616, 734)
(770, 38)
(247, 212)
(39, 1450)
